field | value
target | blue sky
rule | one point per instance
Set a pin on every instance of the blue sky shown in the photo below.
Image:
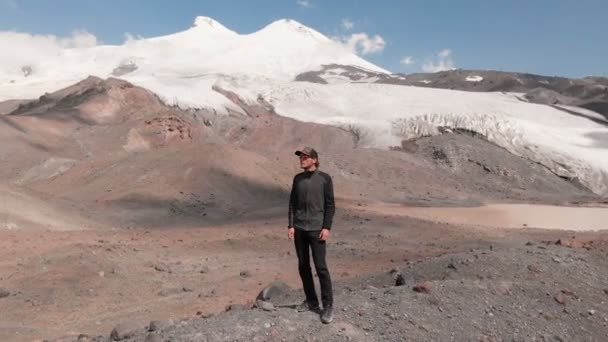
(552, 37)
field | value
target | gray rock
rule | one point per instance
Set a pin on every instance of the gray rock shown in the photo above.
(124, 69)
(264, 305)
(272, 290)
(153, 338)
(159, 325)
(4, 293)
(391, 291)
(124, 331)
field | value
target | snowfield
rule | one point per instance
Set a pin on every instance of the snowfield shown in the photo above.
(182, 68)
(475, 78)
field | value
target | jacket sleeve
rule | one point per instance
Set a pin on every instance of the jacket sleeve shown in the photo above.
(330, 204)
(292, 204)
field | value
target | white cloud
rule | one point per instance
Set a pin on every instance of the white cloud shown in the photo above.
(445, 53)
(443, 62)
(362, 43)
(31, 50)
(79, 39)
(408, 60)
(304, 3)
(347, 24)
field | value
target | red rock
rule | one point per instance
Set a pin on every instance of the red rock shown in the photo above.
(423, 287)
(570, 243)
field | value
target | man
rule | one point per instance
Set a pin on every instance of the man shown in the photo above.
(311, 211)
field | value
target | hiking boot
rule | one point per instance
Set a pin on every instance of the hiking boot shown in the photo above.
(327, 315)
(305, 306)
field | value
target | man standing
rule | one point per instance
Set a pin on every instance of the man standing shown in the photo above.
(311, 211)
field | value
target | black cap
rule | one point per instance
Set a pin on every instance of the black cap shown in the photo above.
(309, 151)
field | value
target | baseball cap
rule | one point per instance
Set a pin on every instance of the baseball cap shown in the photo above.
(309, 151)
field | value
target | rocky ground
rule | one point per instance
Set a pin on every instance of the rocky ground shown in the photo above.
(117, 209)
(537, 291)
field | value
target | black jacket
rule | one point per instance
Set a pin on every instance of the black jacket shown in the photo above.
(311, 203)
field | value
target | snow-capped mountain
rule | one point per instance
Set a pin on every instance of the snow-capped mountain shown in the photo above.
(183, 68)
(280, 50)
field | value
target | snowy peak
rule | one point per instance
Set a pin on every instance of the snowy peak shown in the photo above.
(288, 27)
(202, 23)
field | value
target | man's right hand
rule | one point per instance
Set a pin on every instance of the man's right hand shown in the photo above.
(291, 233)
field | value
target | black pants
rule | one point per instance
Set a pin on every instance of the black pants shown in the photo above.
(306, 241)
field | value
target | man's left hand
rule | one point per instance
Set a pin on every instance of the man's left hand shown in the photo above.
(324, 234)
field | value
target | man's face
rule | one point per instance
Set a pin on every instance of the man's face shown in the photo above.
(306, 162)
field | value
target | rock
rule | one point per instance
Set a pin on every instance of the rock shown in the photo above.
(423, 287)
(529, 243)
(452, 266)
(392, 291)
(570, 243)
(399, 281)
(162, 268)
(245, 274)
(591, 312)
(153, 338)
(204, 270)
(124, 331)
(170, 292)
(236, 307)
(264, 305)
(83, 337)
(4, 293)
(273, 290)
(560, 298)
(159, 325)
(533, 268)
(606, 292)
